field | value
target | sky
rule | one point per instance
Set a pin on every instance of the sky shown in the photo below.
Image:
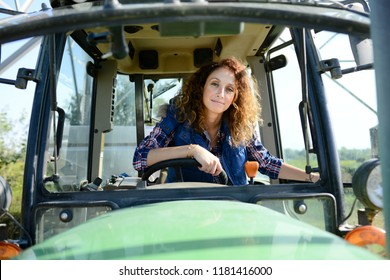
(13, 101)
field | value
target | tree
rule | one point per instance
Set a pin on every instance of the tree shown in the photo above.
(12, 146)
(12, 154)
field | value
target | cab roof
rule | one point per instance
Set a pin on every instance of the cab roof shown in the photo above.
(164, 37)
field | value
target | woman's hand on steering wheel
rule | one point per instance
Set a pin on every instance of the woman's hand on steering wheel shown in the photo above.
(209, 163)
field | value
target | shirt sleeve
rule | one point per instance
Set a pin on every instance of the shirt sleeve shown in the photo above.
(159, 137)
(268, 164)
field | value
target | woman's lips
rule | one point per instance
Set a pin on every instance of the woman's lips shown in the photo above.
(216, 101)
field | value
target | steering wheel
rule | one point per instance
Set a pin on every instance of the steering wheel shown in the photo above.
(177, 164)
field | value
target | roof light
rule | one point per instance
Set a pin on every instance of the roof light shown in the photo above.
(367, 184)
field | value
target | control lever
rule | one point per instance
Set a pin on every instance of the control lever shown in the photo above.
(251, 168)
(94, 186)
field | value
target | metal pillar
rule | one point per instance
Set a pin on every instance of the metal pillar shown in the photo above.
(380, 11)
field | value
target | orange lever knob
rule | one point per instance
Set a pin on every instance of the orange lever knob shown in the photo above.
(251, 168)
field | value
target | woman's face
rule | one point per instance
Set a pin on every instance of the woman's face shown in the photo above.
(219, 91)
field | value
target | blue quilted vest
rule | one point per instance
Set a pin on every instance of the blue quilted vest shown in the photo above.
(233, 158)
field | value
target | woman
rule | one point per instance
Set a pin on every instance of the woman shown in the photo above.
(213, 120)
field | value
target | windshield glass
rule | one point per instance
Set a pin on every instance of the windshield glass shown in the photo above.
(74, 94)
(120, 143)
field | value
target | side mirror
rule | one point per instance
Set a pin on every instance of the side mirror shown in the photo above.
(362, 48)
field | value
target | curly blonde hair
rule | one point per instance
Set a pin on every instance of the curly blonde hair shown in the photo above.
(244, 112)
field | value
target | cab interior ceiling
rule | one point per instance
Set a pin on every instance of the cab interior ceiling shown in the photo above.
(151, 52)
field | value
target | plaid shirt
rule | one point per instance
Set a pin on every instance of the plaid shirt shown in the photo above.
(268, 164)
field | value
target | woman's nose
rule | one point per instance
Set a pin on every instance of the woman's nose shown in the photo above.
(221, 92)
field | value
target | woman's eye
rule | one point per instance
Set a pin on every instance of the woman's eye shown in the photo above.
(230, 90)
(215, 84)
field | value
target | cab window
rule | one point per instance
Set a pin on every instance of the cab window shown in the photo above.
(288, 96)
(74, 96)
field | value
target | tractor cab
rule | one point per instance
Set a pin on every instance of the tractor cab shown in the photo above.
(104, 74)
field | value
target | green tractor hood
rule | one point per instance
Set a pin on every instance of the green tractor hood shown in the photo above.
(195, 230)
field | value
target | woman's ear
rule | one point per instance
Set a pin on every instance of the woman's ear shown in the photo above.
(162, 110)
